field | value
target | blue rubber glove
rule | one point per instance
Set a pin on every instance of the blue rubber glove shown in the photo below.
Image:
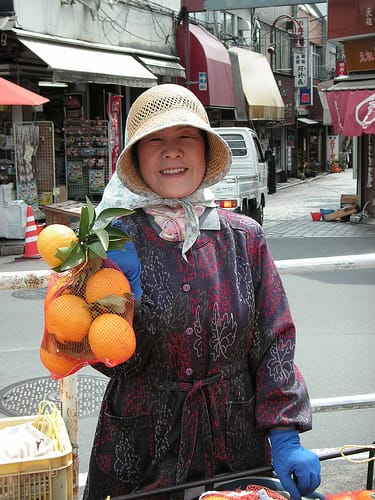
(128, 262)
(297, 468)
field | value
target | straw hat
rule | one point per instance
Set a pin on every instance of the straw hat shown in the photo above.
(165, 106)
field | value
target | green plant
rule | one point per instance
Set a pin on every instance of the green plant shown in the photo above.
(95, 237)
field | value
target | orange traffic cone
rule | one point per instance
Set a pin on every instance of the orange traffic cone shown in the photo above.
(31, 235)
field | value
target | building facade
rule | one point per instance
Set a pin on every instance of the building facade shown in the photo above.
(351, 96)
(92, 59)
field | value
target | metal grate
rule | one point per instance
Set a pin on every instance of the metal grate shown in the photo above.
(35, 162)
(22, 398)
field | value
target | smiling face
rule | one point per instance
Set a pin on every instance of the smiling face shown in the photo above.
(172, 161)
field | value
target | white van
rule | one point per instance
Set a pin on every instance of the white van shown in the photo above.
(245, 188)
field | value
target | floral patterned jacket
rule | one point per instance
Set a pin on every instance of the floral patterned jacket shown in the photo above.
(214, 365)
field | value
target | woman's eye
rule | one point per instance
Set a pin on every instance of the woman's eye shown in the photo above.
(151, 139)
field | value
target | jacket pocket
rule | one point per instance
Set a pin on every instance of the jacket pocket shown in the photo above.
(125, 447)
(245, 445)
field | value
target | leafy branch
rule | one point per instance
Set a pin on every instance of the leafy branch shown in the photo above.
(96, 236)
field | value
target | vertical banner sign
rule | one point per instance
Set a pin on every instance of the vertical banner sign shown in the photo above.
(114, 106)
(300, 54)
(332, 147)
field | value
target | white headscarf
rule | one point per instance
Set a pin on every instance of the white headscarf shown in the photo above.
(117, 195)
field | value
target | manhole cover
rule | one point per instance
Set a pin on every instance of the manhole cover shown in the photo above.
(30, 293)
(23, 398)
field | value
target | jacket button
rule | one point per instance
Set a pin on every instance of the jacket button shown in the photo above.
(189, 371)
(186, 287)
(189, 331)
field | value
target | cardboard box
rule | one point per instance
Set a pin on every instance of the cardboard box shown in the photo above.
(14, 220)
(348, 199)
(339, 214)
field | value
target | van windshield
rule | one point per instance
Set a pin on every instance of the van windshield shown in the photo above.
(236, 143)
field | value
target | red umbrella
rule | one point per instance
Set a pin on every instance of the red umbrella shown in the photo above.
(10, 93)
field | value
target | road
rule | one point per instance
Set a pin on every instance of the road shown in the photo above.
(333, 313)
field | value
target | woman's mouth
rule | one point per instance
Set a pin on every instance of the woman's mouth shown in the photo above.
(173, 171)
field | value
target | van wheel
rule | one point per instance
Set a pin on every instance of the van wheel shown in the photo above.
(245, 208)
(257, 214)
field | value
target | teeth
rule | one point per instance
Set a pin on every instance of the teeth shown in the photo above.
(171, 171)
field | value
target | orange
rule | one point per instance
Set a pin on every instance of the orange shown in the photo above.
(68, 318)
(366, 495)
(54, 289)
(57, 364)
(50, 239)
(112, 339)
(107, 281)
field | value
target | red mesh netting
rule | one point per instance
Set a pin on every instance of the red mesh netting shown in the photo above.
(252, 492)
(88, 316)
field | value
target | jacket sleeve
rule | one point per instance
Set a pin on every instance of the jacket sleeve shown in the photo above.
(281, 393)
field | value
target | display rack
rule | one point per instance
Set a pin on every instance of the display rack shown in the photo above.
(86, 158)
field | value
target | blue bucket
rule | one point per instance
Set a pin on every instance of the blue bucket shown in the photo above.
(325, 212)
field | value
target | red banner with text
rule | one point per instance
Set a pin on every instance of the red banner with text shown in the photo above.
(114, 108)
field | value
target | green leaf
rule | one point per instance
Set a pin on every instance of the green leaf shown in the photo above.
(84, 224)
(112, 213)
(103, 237)
(112, 303)
(97, 248)
(116, 245)
(63, 252)
(115, 233)
(91, 213)
(76, 257)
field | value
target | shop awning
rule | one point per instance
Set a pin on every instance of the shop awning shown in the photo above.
(210, 67)
(322, 87)
(163, 67)
(71, 63)
(260, 88)
(13, 94)
(352, 107)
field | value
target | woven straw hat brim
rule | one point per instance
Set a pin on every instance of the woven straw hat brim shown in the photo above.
(219, 154)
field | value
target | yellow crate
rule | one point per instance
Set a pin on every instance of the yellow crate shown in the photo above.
(41, 478)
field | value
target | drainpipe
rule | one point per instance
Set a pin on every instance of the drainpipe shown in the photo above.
(185, 24)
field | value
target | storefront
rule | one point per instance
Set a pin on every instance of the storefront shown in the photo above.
(351, 99)
(265, 106)
(78, 133)
(352, 109)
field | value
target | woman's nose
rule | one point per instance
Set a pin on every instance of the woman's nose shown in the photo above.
(172, 150)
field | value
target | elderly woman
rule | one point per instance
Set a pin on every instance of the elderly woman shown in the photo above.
(212, 387)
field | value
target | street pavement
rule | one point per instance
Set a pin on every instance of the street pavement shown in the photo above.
(287, 216)
(287, 212)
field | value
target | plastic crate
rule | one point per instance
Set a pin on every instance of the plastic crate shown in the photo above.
(49, 478)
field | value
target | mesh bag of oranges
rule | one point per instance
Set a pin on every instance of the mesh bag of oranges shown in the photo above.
(252, 492)
(89, 305)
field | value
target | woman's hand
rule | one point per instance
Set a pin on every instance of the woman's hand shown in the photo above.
(297, 468)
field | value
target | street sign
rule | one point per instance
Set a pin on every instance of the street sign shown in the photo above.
(301, 54)
(202, 80)
(305, 96)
